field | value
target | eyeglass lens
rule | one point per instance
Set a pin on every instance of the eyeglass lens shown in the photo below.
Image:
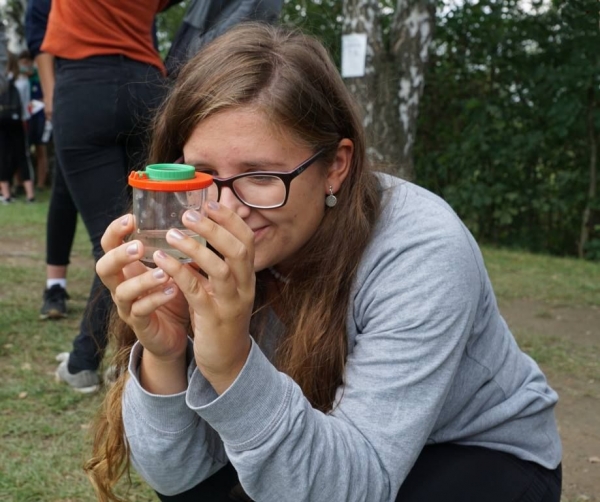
(260, 190)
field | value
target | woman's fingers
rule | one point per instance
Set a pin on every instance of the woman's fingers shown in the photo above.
(120, 260)
(229, 235)
(142, 308)
(218, 271)
(116, 232)
(189, 281)
(132, 289)
(120, 263)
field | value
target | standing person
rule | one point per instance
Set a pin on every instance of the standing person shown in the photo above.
(109, 79)
(14, 150)
(61, 221)
(38, 134)
(3, 58)
(23, 85)
(344, 339)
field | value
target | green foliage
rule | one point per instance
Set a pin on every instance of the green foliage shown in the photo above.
(503, 132)
(321, 18)
(14, 12)
(324, 18)
(167, 24)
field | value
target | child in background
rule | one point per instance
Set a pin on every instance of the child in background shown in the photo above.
(37, 120)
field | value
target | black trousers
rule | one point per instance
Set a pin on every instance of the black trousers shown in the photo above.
(14, 152)
(61, 221)
(442, 473)
(102, 109)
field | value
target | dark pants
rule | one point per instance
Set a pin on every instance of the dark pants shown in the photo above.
(454, 473)
(442, 473)
(14, 152)
(102, 107)
(61, 221)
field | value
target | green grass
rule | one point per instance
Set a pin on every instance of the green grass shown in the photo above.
(560, 356)
(44, 427)
(557, 281)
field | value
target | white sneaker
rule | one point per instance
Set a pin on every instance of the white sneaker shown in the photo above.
(86, 381)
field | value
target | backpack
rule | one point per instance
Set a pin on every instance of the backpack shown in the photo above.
(10, 104)
(205, 20)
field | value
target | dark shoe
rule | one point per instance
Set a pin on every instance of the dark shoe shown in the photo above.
(55, 303)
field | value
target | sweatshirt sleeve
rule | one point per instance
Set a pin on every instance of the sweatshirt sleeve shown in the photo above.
(36, 20)
(164, 435)
(417, 294)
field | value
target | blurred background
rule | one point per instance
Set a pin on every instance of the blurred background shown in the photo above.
(492, 104)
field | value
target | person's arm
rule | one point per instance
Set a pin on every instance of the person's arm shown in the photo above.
(45, 64)
(161, 430)
(36, 22)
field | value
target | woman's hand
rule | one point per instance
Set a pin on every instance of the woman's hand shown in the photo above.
(146, 299)
(221, 303)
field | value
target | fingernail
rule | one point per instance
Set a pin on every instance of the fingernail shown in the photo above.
(193, 216)
(158, 273)
(125, 221)
(214, 205)
(168, 291)
(132, 249)
(176, 234)
(161, 254)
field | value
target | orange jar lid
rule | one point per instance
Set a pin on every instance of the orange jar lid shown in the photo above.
(169, 178)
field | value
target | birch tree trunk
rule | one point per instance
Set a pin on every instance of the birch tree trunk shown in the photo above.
(390, 91)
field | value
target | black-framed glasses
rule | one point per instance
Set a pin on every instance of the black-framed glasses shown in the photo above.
(261, 189)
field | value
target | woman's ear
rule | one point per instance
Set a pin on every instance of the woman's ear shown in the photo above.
(340, 167)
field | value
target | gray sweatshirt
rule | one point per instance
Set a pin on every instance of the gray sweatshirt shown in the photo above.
(430, 360)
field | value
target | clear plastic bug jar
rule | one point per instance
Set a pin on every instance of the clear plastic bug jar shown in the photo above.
(161, 194)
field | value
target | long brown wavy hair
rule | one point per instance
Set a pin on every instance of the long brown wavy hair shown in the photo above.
(290, 77)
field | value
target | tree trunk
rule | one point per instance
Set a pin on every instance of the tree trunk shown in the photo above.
(390, 91)
(593, 139)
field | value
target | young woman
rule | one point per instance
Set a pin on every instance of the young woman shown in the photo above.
(342, 341)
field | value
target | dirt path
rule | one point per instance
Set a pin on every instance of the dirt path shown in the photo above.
(578, 411)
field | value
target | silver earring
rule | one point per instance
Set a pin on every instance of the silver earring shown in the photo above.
(330, 200)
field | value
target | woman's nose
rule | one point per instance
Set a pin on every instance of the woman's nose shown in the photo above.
(230, 200)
